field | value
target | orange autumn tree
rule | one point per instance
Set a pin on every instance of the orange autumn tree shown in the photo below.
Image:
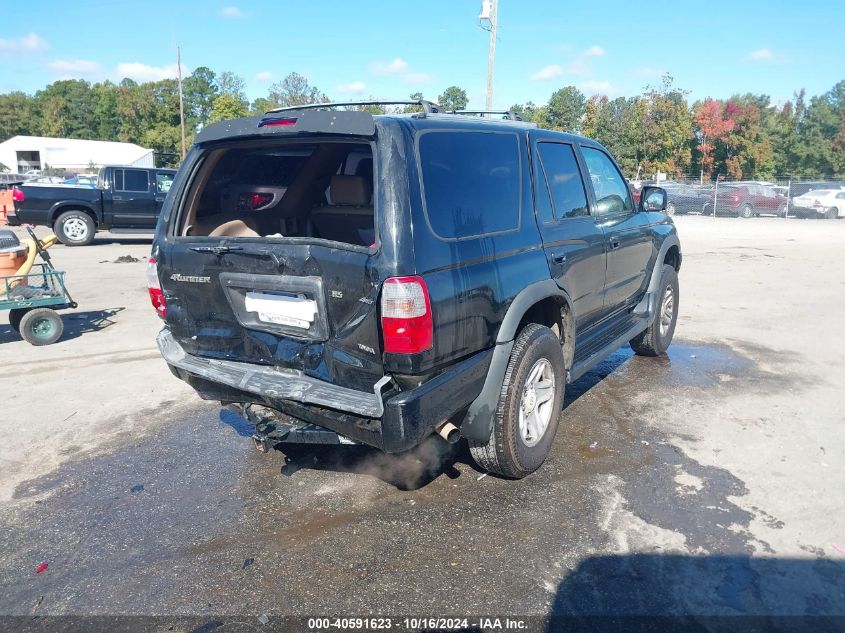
(713, 124)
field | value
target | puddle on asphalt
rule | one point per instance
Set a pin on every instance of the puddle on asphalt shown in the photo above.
(186, 506)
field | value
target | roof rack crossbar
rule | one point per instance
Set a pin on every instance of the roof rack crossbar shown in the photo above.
(511, 115)
(427, 106)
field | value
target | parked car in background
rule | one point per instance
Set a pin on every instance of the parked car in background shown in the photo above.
(745, 201)
(825, 203)
(685, 198)
(800, 188)
(126, 199)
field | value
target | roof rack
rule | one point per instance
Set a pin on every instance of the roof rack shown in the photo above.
(510, 114)
(427, 106)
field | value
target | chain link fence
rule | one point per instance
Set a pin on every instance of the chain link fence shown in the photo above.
(822, 197)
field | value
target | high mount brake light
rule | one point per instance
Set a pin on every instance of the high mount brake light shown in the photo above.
(253, 201)
(277, 121)
(406, 322)
(154, 287)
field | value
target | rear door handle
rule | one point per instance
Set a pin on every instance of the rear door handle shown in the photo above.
(614, 242)
(559, 258)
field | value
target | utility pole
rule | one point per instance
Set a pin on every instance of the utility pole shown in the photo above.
(181, 101)
(490, 15)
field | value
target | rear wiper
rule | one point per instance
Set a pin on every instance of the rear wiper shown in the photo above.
(217, 250)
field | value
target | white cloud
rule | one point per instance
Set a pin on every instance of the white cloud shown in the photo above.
(75, 68)
(548, 72)
(594, 51)
(142, 72)
(593, 87)
(395, 67)
(416, 79)
(231, 12)
(761, 54)
(356, 87)
(30, 43)
(264, 75)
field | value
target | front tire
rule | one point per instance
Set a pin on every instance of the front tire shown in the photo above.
(41, 326)
(655, 340)
(75, 228)
(527, 415)
(746, 211)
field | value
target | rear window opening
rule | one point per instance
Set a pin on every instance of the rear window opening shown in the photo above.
(322, 190)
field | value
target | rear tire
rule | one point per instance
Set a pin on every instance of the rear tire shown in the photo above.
(655, 340)
(832, 213)
(15, 316)
(746, 211)
(75, 228)
(528, 412)
(41, 326)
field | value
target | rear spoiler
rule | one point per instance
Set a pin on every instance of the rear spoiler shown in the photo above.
(351, 122)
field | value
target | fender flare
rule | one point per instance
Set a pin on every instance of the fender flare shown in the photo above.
(56, 209)
(478, 422)
(648, 305)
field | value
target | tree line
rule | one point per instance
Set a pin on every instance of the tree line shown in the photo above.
(745, 136)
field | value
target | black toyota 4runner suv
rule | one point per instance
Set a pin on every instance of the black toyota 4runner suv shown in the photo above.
(340, 277)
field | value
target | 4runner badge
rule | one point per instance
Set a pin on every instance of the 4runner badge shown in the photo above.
(190, 278)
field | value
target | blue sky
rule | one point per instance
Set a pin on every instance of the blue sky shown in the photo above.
(356, 48)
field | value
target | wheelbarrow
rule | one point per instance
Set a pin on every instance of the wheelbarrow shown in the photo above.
(35, 291)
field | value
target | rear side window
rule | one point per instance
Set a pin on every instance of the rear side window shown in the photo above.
(564, 179)
(131, 180)
(471, 182)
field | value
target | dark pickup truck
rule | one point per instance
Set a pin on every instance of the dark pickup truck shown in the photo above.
(126, 199)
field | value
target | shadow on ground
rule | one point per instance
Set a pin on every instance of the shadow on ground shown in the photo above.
(668, 592)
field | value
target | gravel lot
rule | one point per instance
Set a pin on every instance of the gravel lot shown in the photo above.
(708, 482)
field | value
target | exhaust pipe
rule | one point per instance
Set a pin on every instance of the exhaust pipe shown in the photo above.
(449, 432)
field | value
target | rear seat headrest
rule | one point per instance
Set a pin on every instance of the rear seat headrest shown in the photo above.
(350, 190)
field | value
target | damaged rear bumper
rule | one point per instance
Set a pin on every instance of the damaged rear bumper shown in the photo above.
(392, 424)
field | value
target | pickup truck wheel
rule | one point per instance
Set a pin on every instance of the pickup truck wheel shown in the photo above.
(656, 339)
(75, 228)
(15, 316)
(746, 211)
(526, 418)
(41, 326)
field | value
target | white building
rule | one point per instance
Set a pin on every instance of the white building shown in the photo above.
(23, 153)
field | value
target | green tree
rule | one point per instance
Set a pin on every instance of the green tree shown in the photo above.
(261, 105)
(565, 109)
(669, 135)
(67, 109)
(106, 116)
(199, 90)
(453, 98)
(294, 90)
(415, 96)
(17, 115)
(228, 106)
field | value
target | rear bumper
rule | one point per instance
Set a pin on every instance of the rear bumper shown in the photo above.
(393, 424)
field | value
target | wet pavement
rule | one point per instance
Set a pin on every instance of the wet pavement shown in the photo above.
(620, 520)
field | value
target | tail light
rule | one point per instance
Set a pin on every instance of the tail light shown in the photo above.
(734, 198)
(18, 195)
(817, 203)
(153, 285)
(406, 322)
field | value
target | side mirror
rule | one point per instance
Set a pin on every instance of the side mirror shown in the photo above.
(653, 199)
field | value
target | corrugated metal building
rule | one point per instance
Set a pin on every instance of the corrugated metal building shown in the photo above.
(25, 153)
